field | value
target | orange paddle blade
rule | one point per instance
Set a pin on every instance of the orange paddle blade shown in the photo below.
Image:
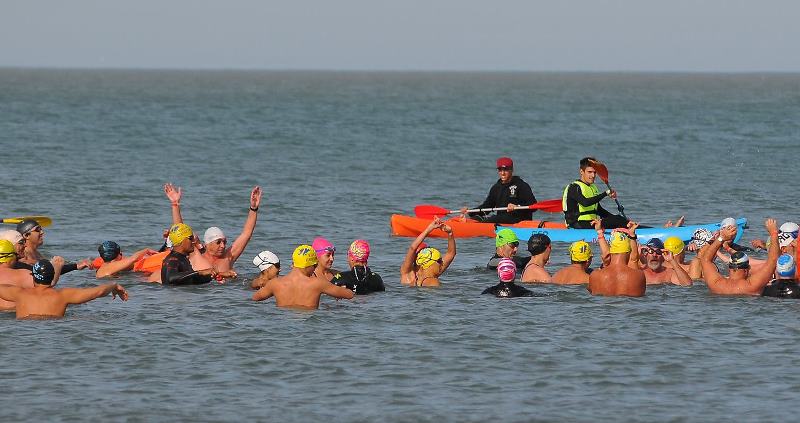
(602, 170)
(429, 211)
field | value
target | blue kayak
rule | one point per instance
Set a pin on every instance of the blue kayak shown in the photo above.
(644, 234)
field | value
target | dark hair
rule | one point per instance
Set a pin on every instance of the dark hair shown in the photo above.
(537, 243)
(586, 162)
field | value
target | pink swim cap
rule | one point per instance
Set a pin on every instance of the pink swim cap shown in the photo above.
(506, 270)
(359, 251)
(322, 246)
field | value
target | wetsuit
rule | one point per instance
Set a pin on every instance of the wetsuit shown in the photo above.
(176, 270)
(361, 280)
(68, 267)
(516, 191)
(574, 197)
(508, 290)
(782, 288)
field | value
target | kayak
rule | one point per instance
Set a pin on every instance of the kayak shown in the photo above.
(643, 234)
(410, 226)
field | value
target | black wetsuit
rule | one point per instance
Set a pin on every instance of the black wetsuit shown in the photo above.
(176, 270)
(782, 288)
(68, 267)
(575, 197)
(508, 290)
(361, 280)
(516, 191)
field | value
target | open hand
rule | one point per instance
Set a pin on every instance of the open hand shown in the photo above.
(255, 197)
(772, 227)
(119, 290)
(173, 193)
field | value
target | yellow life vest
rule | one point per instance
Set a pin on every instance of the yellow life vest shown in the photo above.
(587, 213)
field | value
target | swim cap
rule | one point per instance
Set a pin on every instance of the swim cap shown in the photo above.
(26, 226)
(266, 259)
(427, 256)
(739, 260)
(359, 251)
(674, 245)
(786, 266)
(655, 243)
(538, 243)
(322, 246)
(505, 162)
(304, 256)
(785, 239)
(421, 246)
(506, 270)
(212, 234)
(109, 250)
(728, 221)
(505, 236)
(619, 243)
(701, 237)
(790, 227)
(7, 251)
(11, 235)
(43, 272)
(580, 251)
(178, 232)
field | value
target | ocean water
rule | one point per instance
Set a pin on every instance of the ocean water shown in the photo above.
(336, 155)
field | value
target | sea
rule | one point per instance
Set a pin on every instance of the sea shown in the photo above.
(336, 154)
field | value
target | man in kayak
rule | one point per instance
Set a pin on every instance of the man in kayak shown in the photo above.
(655, 271)
(507, 271)
(540, 248)
(360, 278)
(784, 285)
(510, 192)
(300, 288)
(581, 201)
(44, 301)
(423, 266)
(325, 255)
(622, 276)
(33, 233)
(176, 269)
(114, 262)
(270, 267)
(740, 280)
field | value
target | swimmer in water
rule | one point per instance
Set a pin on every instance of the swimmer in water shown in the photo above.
(360, 278)
(741, 280)
(677, 247)
(580, 256)
(661, 266)
(540, 247)
(621, 277)
(176, 268)
(16, 277)
(507, 271)
(270, 267)
(113, 260)
(785, 284)
(300, 288)
(325, 255)
(42, 300)
(33, 233)
(423, 265)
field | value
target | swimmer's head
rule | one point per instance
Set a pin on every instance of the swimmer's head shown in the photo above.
(504, 237)
(790, 228)
(619, 243)
(304, 256)
(785, 239)
(108, 250)
(27, 226)
(427, 257)
(655, 243)
(323, 246)
(580, 252)
(674, 245)
(266, 259)
(538, 243)
(11, 235)
(728, 221)
(701, 237)
(739, 260)
(212, 234)
(43, 272)
(179, 232)
(358, 251)
(786, 266)
(7, 251)
(506, 270)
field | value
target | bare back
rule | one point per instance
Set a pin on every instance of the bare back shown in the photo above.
(15, 277)
(571, 275)
(617, 280)
(300, 291)
(535, 274)
(40, 302)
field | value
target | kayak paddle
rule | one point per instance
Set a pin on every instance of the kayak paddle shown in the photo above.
(41, 220)
(602, 171)
(428, 211)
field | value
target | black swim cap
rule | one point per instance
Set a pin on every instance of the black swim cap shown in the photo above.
(739, 260)
(655, 243)
(109, 250)
(43, 272)
(537, 243)
(26, 226)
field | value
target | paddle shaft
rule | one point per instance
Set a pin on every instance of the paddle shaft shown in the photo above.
(619, 206)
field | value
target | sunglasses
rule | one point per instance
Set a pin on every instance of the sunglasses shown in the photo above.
(504, 169)
(331, 250)
(514, 244)
(648, 250)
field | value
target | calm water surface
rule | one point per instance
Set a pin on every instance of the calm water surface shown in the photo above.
(337, 154)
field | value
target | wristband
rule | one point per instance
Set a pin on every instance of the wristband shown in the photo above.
(720, 239)
(175, 203)
(608, 192)
(633, 237)
(254, 209)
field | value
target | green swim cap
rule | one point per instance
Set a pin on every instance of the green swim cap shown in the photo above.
(505, 236)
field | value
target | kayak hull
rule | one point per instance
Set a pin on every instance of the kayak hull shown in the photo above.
(409, 226)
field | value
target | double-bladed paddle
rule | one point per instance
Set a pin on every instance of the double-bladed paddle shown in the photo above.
(428, 211)
(41, 220)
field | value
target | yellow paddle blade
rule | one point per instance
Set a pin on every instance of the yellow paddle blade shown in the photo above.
(42, 220)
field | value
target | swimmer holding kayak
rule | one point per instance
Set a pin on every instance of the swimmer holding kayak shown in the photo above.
(423, 266)
(510, 192)
(622, 276)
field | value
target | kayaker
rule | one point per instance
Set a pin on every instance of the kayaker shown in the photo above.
(360, 278)
(423, 266)
(507, 271)
(42, 300)
(176, 268)
(741, 280)
(269, 267)
(581, 201)
(622, 276)
(33, 233)
(540, 248)
(655, 271)
(510, 192)
(325, 256)
(113, 260)
(784, 285)
(300, 288)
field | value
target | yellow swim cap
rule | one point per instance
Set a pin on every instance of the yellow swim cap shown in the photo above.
(304, 256)
(619, 243)
(674, 245)
(580, 251)
(178, 232)
(427, 256)
(7, 252)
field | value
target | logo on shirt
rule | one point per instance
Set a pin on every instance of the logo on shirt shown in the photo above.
(513, 190)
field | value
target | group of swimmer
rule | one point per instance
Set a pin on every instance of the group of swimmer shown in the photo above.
(27, 280)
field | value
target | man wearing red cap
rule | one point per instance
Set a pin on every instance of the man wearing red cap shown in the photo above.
(510, 192)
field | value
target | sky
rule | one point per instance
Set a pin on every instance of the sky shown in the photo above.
(468, 35)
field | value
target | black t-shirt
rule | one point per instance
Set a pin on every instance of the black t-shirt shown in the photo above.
(508, 290)
(516, 191)
(176, 270)
(782, 288)
(361, 280)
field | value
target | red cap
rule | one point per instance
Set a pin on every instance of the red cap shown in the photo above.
(505, 162)
(421, 246)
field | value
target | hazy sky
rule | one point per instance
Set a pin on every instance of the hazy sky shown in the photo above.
(598, 35)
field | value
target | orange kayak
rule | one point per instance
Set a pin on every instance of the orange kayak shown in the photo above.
(409, 226)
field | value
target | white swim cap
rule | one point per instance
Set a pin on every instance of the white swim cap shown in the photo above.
(789, 227)
(785, 239)
(785, 266)
(11, 235)
(265, 259)
(728, 221)
(212, 234)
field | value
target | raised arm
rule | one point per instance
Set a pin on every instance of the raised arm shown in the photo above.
(681, 277)
(249, 225)
(633, 261)
(451, 248)
(605, 250)
(710, 272)
(411, 253)
(82, 295)
(763, 275)
(174, 195)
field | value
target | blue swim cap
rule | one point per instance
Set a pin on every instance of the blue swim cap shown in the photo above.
(109, 250)
(786, 266)
(655, 243)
